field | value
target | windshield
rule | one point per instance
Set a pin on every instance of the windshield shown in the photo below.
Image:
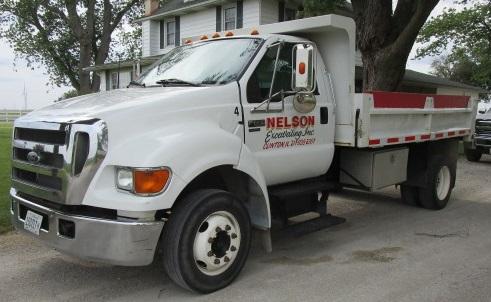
(211, 62)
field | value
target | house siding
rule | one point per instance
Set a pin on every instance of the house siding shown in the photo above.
(269, 11)
(198, 23)
(251, 13)
(150, 38)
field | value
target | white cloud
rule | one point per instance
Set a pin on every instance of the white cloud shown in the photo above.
(424, 65)
(13, 78)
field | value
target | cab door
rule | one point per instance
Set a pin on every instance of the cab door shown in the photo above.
(287, 144)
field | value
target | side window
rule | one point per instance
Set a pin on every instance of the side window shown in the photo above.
(260, 81)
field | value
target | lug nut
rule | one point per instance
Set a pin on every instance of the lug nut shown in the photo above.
(233, 248)
(210, 253)
(227, 228)
(217, 261)
(210, 240)
(226, 259)
(218, 229)
(234, 235)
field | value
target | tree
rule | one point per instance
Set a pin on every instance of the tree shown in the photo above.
(468, 52)
(321, 7)
(385, 38)
(65, 36)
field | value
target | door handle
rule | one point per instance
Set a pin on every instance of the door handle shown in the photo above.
(324, 115)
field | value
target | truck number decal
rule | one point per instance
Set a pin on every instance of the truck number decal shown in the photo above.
(236, 111)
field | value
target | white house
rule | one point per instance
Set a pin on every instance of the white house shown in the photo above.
(171, 24)
(165, 27)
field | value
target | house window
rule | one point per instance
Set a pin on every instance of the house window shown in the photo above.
(230, 17)
(114, 80)
(171, 33)
(290, 14)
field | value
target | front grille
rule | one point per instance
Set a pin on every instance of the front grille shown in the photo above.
(53, 137)
(483, 128)
(47, 159)
(46, 181)
(54, 161)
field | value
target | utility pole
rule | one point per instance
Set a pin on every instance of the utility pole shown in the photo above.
(25, 97)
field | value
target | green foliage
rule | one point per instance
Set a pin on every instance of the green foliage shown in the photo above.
(321, 7)
(5, 150)
(66, 36)
(69, 94)
(465, 39)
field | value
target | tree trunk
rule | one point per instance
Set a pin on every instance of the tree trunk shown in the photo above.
(386, 37)
(85, 60)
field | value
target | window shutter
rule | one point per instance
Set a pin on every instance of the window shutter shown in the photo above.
(281, 11)
(162, 34)
(178, 31)
(240, 13)
(219, 19)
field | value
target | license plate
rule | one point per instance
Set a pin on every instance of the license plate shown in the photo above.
(32, 223)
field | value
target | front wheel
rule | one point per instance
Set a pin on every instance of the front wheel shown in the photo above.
(206, 240)
(473, 155)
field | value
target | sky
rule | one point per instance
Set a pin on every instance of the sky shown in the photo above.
(39, 93)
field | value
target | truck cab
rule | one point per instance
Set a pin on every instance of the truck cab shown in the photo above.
(481, 143)
(219, 137)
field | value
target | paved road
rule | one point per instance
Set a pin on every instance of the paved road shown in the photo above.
(387, 251)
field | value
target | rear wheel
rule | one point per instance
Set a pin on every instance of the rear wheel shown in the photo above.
(440, 181)
(410, 195)
(473, 155)
(206, 240)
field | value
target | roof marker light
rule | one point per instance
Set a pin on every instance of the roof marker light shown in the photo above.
(216, 35)
(204, 37)
(229, 34)
(254, 32)
(188, 41)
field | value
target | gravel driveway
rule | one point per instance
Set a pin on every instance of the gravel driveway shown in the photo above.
(386, 251)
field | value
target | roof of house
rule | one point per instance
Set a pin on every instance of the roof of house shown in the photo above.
(174, 7)
(122, 64)
(419, 77)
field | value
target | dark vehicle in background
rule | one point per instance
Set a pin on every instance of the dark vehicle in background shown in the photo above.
(482, 137)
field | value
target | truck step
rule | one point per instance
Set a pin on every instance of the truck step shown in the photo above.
(302, 187)
(312, 225)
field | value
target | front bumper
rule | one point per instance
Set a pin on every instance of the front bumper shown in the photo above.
(128, 243)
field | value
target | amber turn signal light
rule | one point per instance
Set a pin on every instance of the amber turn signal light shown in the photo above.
(301, 68)
(150, 181)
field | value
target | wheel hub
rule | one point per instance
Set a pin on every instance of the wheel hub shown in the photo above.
(216, 243)
(443, 180)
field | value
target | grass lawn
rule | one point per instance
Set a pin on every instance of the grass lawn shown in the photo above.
(5, 149)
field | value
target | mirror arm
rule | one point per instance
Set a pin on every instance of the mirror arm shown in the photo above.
(274, 74)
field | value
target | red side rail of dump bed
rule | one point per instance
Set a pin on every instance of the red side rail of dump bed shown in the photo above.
(390, 118)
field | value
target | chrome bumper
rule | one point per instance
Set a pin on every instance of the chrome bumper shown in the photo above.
(109, 241)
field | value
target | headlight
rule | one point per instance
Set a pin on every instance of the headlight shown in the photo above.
(124, 179)
(143, 181)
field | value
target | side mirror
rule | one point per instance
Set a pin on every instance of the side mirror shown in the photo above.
(303, 67)
(304, 102)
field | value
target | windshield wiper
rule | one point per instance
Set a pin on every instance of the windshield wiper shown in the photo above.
(135, 83)
(164, 82)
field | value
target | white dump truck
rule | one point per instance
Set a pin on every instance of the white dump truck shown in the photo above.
(218, 138)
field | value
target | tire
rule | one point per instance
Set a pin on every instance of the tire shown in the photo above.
(440, 182)
(473, 155)
(410, 195)
(192, 241)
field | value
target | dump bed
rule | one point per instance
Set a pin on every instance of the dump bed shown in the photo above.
(391, 118)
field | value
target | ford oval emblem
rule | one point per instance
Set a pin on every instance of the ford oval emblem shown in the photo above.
(33, 157)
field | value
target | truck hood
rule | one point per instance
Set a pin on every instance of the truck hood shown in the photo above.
(97, 105)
